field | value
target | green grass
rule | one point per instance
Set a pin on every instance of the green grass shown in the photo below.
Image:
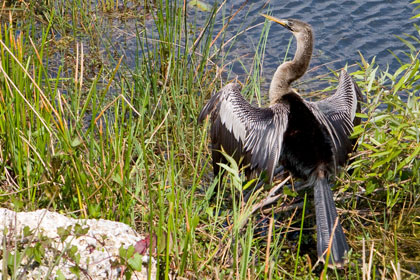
(94, 138)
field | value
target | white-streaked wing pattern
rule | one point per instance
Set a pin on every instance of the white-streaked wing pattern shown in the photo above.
(338, 113)
(254, 133)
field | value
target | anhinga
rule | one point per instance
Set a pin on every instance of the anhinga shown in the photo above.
(310, 139)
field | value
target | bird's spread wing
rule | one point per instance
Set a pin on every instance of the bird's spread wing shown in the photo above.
(252, 133)
(342, 106)
(338, 114)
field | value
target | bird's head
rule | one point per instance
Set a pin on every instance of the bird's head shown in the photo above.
(294, 25)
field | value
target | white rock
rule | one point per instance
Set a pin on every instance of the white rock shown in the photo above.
(98, 248)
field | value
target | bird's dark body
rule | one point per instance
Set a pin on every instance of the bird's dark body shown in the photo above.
(308, 154)
(306, 144)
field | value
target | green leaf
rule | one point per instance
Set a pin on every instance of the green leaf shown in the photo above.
(231, 160)
(60, 275)
(408, 44)
(249, 183)
(361, 115)
(80, 230)
(414, 70)
(27, 231)
(75, 270)
(407, 160)
(76, 142)
(370, 187)
(12, 257)
(287, 191)
(117, 179)
(357, 130)
(379, 154)
(371, 79)
(136, 262)
(126, 253)
(228, 168)
(130, 251)
(72, 252)
(370, 147)
(38, 252)
(123, 252)
(63, 233)
(195, 221)
(379, 118)
(374, 141)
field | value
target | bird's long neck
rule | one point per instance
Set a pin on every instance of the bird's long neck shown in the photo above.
(290, 71)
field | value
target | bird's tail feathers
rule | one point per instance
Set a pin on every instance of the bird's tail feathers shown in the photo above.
(331, 241)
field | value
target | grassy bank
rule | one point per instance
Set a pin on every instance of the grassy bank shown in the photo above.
(85, 133)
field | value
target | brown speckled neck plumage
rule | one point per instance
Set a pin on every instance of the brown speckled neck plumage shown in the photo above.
(290, 71)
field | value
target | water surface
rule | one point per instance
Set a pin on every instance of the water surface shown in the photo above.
(341, 30)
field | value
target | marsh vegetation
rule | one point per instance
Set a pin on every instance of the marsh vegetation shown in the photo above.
(87, 132)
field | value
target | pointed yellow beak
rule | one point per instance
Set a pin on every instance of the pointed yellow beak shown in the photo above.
(280, 21)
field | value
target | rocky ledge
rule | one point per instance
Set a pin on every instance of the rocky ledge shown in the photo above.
(48, 245)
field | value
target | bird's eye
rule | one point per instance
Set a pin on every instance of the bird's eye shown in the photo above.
(290, 25)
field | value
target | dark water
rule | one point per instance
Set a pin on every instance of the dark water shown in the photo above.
(341, 30)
